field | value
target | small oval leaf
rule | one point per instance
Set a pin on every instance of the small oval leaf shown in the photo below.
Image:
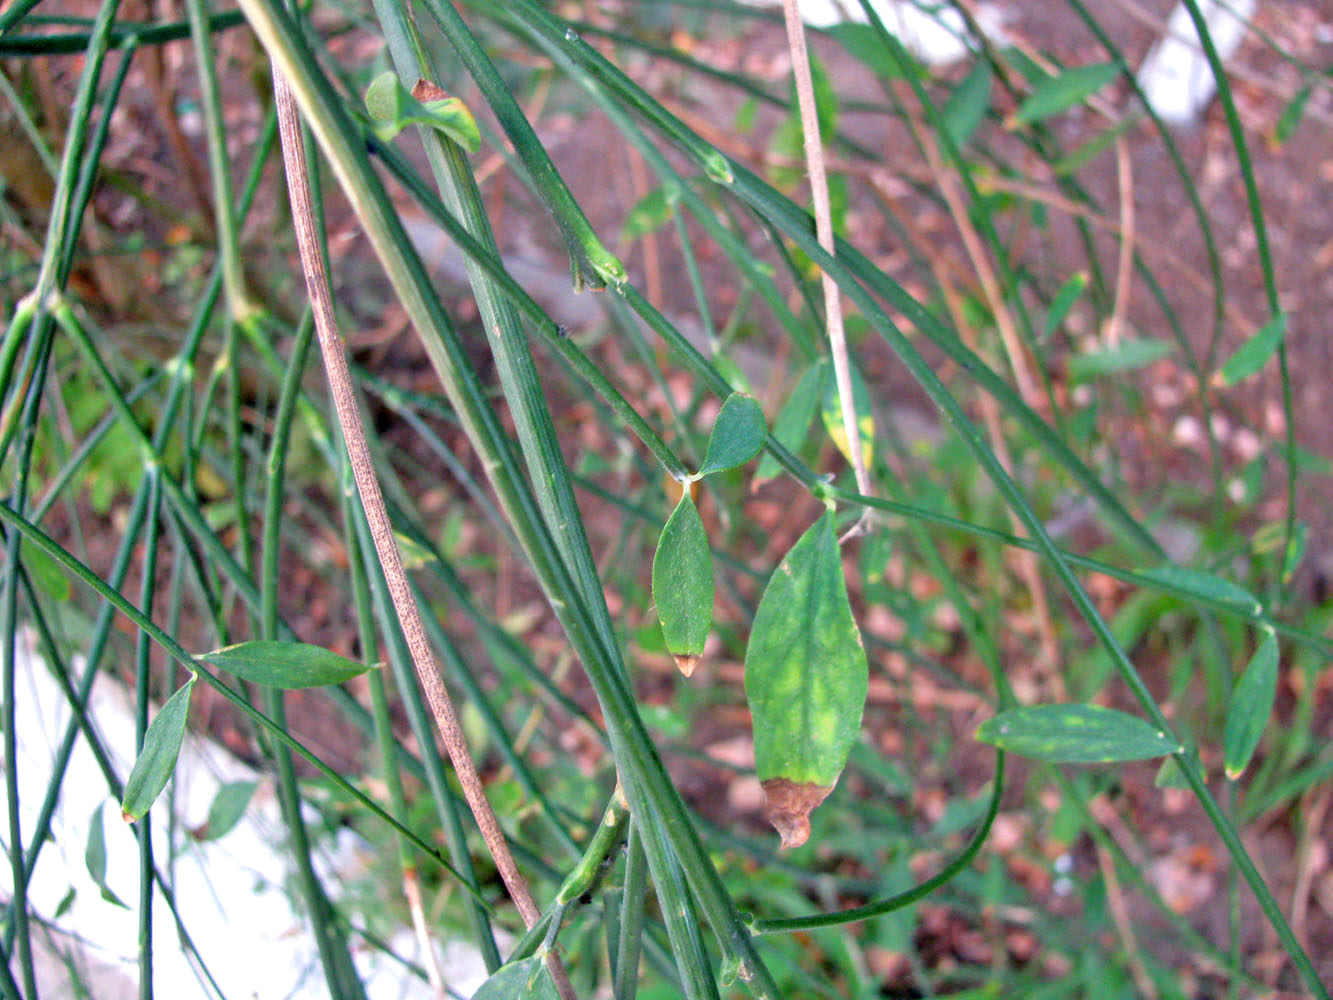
(1074, 734)
(1059, 93)
(806, 677)
(1250, 706)
(157, 759)
(1252, 355)
(683, 584)
(738, 433)
(287, 665)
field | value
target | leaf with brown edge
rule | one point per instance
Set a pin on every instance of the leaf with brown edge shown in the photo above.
(788, 805)
(806, 677)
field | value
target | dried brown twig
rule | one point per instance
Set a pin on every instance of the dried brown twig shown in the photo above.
(405, 606)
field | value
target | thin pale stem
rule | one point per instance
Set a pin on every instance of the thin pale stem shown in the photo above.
(814, 159)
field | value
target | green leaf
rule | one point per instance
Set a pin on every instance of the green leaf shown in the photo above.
(1250, 706)
(806, 677)
(94, 856)
(1252, 355)
(968, 104)
(1292, 114)
(732, 372)
(651, 213)
(738, 433)
(1059, 93)
(1206, 585)
(394, 108)
(157, 759)
(1071, 162)
(793, 422)
(864, 43)
(1128, 355)
(525, 980)
(831, 410)
(1074, 734)
(228, 807)
(745, 116)
(47, 574)
(1063, 301)
(683, 584)
(287, 665)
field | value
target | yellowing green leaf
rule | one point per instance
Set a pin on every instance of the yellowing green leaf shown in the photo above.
(831, 410)
(1075, 734)
(393, 107)
(806, 677)
(1250, 706)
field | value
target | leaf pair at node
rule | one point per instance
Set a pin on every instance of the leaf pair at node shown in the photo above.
(286, 665)
(683, 564)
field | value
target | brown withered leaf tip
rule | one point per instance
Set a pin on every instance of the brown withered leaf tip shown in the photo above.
(788, 805)
(424, 90)
(686, 664)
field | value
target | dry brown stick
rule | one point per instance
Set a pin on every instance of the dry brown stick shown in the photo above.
(1115, 899)
(814, 160)
(1124, 274)
(372, 500)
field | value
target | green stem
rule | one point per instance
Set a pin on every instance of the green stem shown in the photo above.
(239, 308)
(124, 34)
(896, 902)
(625, 980)
(1237, 133)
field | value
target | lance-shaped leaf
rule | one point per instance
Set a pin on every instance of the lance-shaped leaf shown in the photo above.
(793, 420)
(1250, 706)
(805, 679)
(1252, 355)
(1205, 585)
(1075, 734)
(968, 104)
(738, 434)
(683, 584)
(228, 807)
(394, 108)
(287, 665)
(157, 758)
(831, 410)
(1059, 93)
(94, 856)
